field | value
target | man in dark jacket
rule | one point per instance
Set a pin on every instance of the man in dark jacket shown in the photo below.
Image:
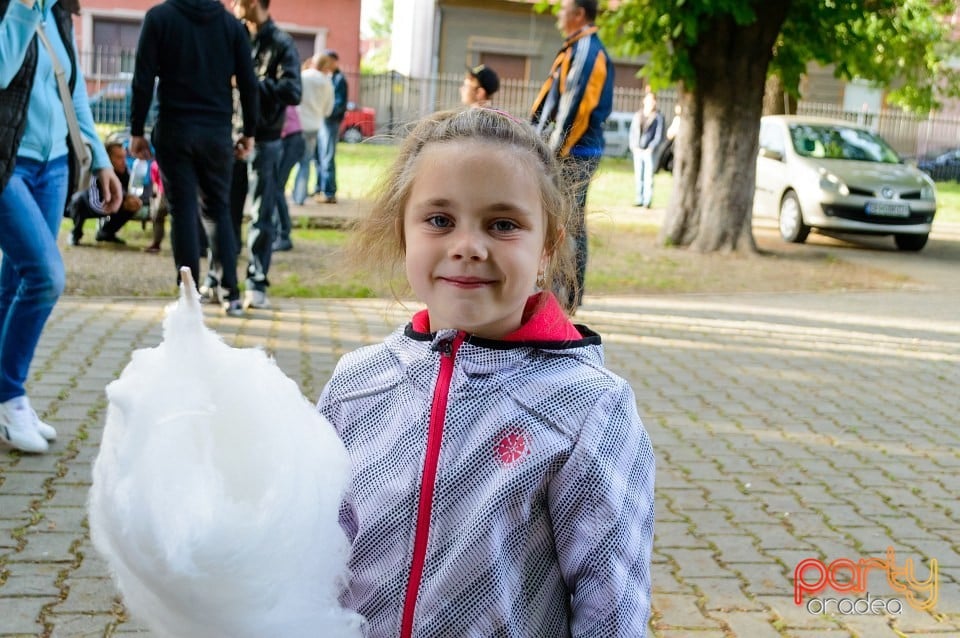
(329, 134)
(197, 50)
(277, 67)
(573, 104)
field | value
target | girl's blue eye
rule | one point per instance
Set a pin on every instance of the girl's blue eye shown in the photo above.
(504, 225)
(439, 221)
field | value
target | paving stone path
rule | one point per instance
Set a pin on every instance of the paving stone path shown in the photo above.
(786, 427)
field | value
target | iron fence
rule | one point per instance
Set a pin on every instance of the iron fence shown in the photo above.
(399, 99)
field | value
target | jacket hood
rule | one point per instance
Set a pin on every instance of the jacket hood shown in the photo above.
(199, 10)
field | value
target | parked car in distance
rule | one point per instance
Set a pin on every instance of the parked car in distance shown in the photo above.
(616, 134)
(943, 167)
(832, 175)
(358, 123)
(111, 104)
(616, 139)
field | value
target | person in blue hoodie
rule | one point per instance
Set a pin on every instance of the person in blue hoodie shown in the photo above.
(198, 50)
(35, 181)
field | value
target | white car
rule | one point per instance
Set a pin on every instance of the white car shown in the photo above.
(616, 134)
(832, 175)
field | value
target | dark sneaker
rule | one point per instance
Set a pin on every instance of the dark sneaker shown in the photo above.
(234, 308)
(110, 239)
(282, 245)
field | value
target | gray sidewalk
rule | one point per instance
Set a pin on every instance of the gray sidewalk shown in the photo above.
(785, 426)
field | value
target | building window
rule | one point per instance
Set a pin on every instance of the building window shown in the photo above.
(508, 67)
(114, 46)
(625, 75)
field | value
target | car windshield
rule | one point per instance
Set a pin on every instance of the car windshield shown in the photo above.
(841, 142)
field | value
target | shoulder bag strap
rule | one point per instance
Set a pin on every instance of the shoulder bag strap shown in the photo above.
(76, 137)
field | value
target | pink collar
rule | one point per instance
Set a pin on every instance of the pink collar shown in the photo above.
(543, 320)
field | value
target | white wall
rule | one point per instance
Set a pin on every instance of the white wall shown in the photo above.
(412, 37)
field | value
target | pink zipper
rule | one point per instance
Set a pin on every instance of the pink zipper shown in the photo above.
(434, 439)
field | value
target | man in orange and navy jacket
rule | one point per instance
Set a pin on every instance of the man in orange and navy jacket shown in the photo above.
(577, 99)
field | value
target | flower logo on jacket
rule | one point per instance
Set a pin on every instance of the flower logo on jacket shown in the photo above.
(513, 446)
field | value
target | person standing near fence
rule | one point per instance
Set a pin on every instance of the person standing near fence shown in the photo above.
(570, 110)
(330, 133)
(293, 146)
(316, 104)
(197, 50)
(35, 181)
(646, 134)
(277, 67)
(479, 85)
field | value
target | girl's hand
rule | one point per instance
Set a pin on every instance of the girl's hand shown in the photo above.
(111, 192)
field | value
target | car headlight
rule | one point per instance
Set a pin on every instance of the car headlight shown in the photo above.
(832, 183)
(928, 192)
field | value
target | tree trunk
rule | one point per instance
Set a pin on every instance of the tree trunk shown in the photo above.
(775, 99)
(716, 149)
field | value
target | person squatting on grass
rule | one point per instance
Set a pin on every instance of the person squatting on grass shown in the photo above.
(502, 481)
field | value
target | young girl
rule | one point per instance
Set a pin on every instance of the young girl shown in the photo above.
(502, 483)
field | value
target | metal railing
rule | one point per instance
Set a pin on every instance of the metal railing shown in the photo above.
(400, 99)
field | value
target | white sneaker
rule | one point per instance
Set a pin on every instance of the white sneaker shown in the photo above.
(209, 294)
(48, 432)
(255, 299)
(18, 426)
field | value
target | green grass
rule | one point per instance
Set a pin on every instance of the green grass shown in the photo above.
(359, 166)
(948, 202)
(292, 286)
(613, 186)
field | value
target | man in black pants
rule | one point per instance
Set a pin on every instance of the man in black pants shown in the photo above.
(196, 49)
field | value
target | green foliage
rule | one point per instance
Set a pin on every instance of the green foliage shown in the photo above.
(904, 43)
(382, 27)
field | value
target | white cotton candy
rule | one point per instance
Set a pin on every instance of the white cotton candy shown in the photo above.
(216, 492)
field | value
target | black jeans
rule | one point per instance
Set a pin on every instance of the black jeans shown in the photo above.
(79, 211)
(196, 163)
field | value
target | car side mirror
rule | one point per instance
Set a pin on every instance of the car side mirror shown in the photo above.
(769, 153)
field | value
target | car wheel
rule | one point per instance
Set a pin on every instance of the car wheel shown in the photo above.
(912, 243)
(352, 135)
(792, 228)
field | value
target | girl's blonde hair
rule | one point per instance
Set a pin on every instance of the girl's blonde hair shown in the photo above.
(377, 241)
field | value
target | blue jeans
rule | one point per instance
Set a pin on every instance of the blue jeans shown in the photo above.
(292, 152)
(303, 171)
(264, 185)
(643, 176)
(32, 275)
(327, 170)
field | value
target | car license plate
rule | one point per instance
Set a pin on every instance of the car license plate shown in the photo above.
(888, 209)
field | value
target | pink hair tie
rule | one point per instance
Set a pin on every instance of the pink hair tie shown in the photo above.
(503, 113)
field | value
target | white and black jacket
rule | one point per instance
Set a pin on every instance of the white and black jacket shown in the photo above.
(499, 487)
